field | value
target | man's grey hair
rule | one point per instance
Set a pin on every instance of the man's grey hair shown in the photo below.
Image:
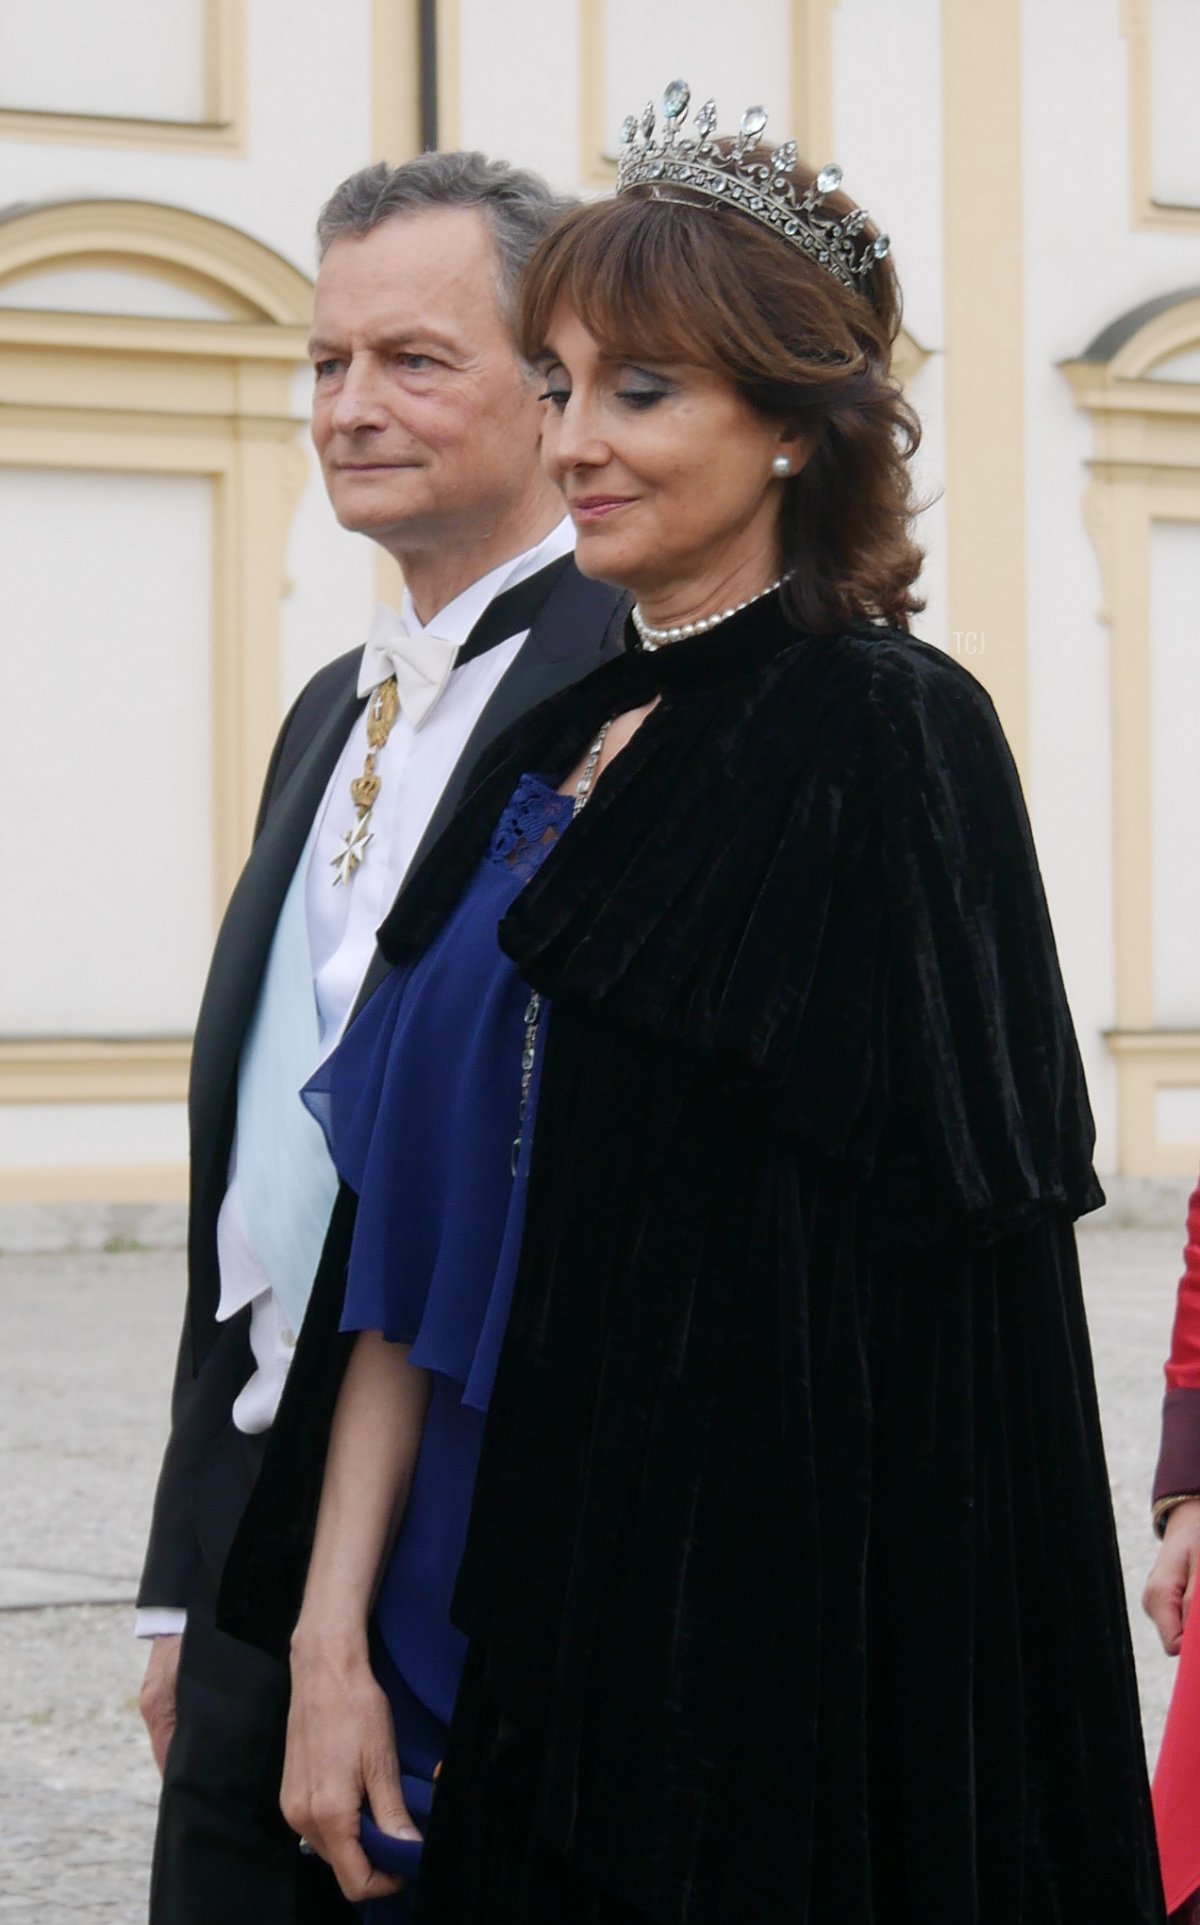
(517, 205)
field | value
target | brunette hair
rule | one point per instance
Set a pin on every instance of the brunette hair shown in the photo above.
(655, 280)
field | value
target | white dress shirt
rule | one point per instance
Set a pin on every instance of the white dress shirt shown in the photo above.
(414, 766)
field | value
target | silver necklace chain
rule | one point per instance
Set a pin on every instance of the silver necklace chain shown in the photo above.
(533, 1009)
(655, 637)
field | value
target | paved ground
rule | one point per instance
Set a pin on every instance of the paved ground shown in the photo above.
(86, 1343)
(86, 1346)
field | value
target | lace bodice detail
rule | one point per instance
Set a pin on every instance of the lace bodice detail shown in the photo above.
(530, 826)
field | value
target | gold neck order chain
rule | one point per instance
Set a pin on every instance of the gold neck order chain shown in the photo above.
(364, 790)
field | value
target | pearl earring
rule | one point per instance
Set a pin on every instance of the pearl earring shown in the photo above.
(781, 466)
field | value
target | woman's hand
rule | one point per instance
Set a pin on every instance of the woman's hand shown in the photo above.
(1170, 1586)
(341, 1745)
(341, 1751)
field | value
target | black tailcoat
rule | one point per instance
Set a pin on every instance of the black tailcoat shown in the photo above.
(209, 1467)
(791, 1584)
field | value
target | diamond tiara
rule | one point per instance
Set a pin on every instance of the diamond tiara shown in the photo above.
(753, 180)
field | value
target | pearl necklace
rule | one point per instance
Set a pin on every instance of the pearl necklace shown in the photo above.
(655, 637)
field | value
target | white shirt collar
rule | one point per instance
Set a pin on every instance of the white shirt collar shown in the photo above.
(455, 621)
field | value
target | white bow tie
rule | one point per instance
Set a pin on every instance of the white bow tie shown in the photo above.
(420, 663)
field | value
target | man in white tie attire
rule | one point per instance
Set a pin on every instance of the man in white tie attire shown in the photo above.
(427, 426)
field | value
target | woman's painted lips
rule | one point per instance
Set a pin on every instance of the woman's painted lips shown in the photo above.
(596, 507)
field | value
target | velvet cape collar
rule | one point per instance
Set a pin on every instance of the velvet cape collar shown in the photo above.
(813, 864)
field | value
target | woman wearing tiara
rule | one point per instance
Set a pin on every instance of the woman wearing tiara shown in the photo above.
(790, 1591)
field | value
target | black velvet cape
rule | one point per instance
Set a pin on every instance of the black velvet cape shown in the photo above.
(792, 1586)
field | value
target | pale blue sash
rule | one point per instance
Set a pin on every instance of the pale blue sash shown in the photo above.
(286, 1179)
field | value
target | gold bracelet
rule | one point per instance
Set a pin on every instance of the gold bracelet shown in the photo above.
(1165, 1505)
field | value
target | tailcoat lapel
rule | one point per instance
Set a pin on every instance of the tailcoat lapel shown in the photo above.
(237, 967)
(549, 659)
(553, 655)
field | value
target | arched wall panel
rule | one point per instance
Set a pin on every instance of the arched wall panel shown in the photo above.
(1142, 507)
(177, 436)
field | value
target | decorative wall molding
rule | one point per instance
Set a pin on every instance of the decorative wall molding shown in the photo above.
(812, 126)
(985, 349)
(1149, 1061)
(1137, 25)
(449, 75)
(65, 1070)
(146, 395)
(251, 281)
(908, 358)
(1145, 468)
(809, 112)
(395, 80)
(95, 1183)
(222, 128)
(160, 396)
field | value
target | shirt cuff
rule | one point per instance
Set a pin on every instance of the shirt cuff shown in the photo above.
(159, 1621)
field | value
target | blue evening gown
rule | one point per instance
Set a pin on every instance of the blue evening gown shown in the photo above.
(420, 1103)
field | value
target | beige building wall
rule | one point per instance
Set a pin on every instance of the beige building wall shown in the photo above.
(1110, 456)
(171, 573)
(1034, 164)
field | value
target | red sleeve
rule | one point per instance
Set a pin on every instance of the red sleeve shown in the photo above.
(1179, 1452)
(1183, 1365)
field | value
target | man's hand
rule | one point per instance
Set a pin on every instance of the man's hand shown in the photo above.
(156, 1699)
(1170, 1586)
(341, 1752)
